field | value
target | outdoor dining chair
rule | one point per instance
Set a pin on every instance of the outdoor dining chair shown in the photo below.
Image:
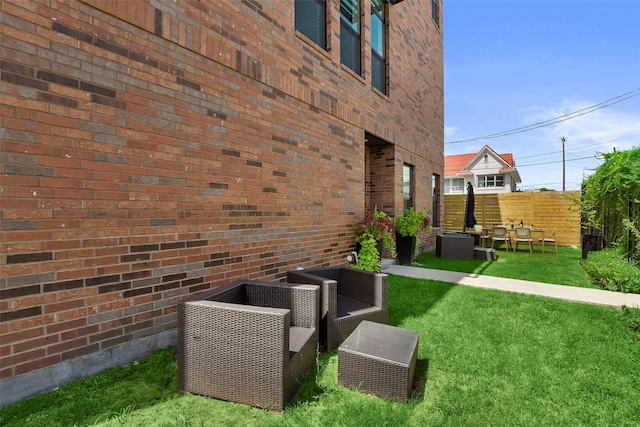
(523, 235)
(551, 239)
(481, 232)
(501, 234)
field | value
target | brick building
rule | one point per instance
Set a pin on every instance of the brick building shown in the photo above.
(154, 149)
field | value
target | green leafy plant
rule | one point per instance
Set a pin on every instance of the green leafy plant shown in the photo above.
(379, 225)
(368, 257)
(410, 223)
(610, 270)
(610, 202)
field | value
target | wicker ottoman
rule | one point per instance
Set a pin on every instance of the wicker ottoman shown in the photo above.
(484, 254)
(379, 359)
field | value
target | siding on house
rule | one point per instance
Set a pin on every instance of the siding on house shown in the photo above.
(154, 149)
(481, 170)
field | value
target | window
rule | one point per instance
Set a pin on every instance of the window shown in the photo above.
(311, 20)
(435, 11)
(486, 158)
(350, 34)
(378, 46)
(454, 185)
(435, 209)
(407, 186)
(490, 181)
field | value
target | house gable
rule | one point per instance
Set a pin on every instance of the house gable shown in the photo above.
(486, 162)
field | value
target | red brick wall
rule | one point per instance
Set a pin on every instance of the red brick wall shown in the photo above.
(152, 152)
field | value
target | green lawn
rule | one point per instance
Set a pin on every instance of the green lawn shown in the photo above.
(563, 268)
(485, 358)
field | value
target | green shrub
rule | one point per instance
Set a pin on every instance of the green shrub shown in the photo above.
(610, 270)
(410, 223)
(368, 257)
(610, 201)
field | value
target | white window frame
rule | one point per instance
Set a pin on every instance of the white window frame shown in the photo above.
(452, 188)
(490, 181)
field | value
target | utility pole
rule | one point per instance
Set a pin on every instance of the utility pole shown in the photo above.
(563, 168)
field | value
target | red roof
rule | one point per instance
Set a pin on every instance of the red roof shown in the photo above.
(457, 163)
(508, 157)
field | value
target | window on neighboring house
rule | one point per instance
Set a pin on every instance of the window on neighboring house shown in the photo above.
(311, 20)
(407, 186)
(435, 11)
(350, 34)
(490, 181)
(435, 209)
(453, 185)
(486, 158)
(378, 46)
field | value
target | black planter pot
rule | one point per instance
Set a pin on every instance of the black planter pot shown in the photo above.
(379, 246)
(405, 248)
(590, 243)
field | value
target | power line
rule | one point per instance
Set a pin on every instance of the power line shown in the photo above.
(557, 161)
(580, 148)
(562, 118)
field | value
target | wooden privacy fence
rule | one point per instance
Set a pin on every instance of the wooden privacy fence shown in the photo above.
(545, 209)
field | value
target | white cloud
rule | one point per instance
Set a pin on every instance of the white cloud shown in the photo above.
(450, 130)
(538, 152)
(617, 126)
(610, 127)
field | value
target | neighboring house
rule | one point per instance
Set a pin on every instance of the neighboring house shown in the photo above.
(488, 171)
(154, 149)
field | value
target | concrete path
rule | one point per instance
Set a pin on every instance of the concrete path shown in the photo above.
(569, 293)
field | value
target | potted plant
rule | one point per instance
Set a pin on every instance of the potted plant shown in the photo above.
(368, 256)
(407, 227)
(380, 226)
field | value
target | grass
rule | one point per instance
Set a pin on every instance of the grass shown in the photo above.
(485, 358)
(564, 268)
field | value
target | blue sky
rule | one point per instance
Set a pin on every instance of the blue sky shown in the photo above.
(513, 63)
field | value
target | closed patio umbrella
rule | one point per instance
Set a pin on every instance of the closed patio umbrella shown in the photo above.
(469, 217)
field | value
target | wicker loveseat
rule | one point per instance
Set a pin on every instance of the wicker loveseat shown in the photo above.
(349, 296)
(248, 342)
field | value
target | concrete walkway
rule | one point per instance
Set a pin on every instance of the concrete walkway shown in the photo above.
(568, 293)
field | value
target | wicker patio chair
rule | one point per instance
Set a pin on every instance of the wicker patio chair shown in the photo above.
(348, 296)
(248, 342)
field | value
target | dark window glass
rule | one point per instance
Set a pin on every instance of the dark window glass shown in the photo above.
(350, 34)
(407, 186)
(435, 11)
(378, 46)
(311, 20)
(377, 26)
(435, 209)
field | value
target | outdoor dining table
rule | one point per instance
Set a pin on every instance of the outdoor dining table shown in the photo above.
(538, 231)
(487, 232)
